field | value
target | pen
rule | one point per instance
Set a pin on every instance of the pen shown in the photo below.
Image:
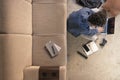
(82, 54)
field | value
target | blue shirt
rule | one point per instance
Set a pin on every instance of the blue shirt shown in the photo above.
(77, 23)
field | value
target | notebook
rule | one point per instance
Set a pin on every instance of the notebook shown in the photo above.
(90, 48)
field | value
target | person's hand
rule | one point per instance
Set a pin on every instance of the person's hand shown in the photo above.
(100, 29)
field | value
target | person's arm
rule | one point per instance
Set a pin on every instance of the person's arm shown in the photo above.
(92, 32)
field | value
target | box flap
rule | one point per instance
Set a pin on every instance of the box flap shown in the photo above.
(30, 1)
(16, 55)
(49, 18)
(41, 56)
(16, 17)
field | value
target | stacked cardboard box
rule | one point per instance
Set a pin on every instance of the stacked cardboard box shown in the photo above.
(16, 54)
(15, 38)
(31, 73)
(25, 27)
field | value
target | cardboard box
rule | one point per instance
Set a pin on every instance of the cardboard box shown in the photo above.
(41, 56)
(32, 73)
(24, 20)
(16, 53)
(49, 18)
(49, 1)
(16, 16)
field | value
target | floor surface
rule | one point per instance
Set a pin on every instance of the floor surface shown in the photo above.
(103, 65)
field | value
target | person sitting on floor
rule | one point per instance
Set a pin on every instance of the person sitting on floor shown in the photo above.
(86, 22)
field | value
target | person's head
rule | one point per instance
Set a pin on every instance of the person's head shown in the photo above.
(98, 19)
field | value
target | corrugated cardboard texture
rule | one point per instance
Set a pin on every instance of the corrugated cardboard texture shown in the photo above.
(49, 18)
(41, 56)
(32, 73)
(16, 17)
(49, 1)
(16, 51)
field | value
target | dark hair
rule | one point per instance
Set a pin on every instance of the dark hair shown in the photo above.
(98, 19)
